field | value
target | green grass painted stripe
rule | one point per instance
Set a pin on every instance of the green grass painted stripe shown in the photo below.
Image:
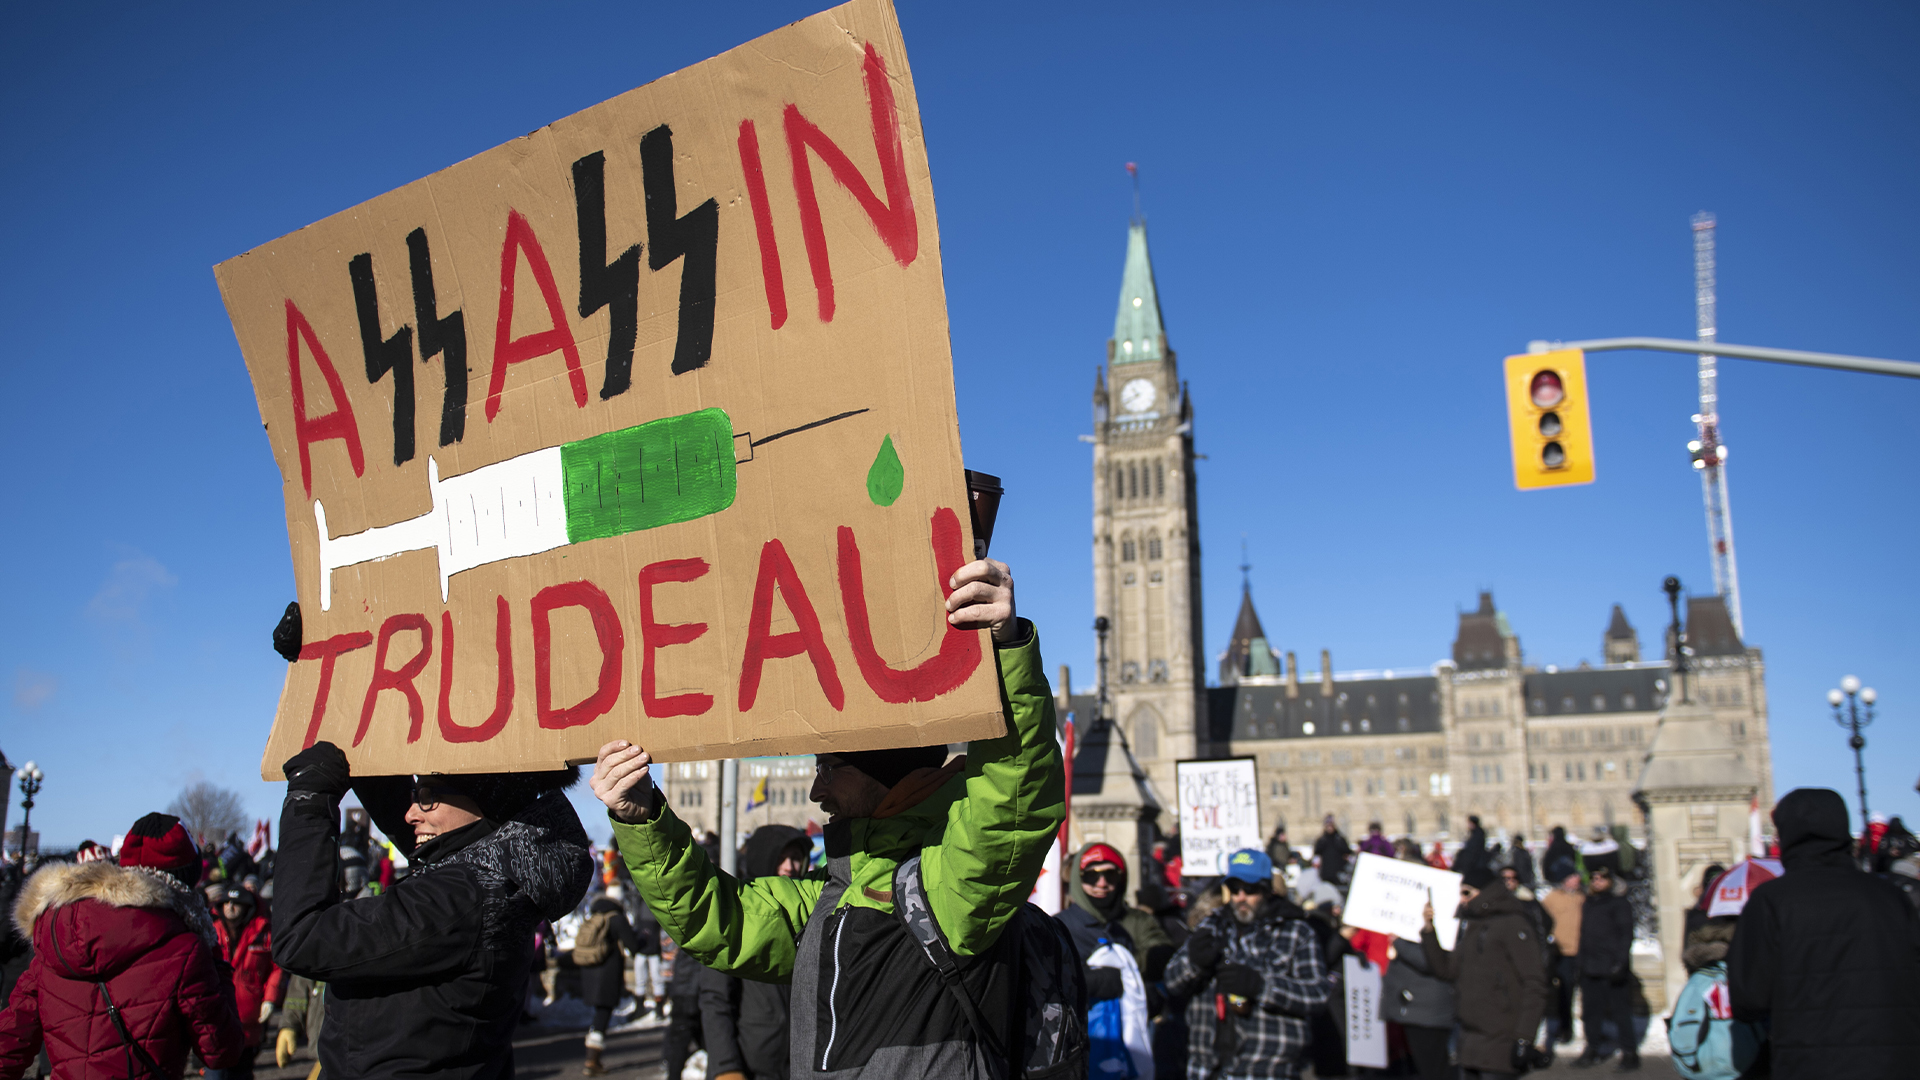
(659, 473)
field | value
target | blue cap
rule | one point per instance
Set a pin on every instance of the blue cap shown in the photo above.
(1250, 865)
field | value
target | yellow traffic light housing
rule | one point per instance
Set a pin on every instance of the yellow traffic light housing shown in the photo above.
(1547, 418)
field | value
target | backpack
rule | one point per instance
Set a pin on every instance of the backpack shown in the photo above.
(1706, 1041)
(591, 944)
(1048, 1040)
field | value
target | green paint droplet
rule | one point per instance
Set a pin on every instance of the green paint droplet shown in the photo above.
(887, 476)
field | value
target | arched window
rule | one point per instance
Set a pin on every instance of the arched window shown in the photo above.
(1159, 479)
(1127, 549)
(1153, 548)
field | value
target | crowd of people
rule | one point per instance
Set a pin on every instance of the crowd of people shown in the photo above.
(905, 943)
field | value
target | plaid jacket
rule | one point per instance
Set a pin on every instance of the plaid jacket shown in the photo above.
(1272, 1041)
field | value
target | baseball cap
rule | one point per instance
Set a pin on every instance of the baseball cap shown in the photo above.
(1250, 865)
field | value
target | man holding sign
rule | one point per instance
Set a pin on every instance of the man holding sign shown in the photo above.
(1499, 969)
(913, 847)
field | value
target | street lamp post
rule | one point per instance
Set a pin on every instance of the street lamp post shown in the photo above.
(1853, 695)
(30, 780)
(1677, 640)
(1100, 627)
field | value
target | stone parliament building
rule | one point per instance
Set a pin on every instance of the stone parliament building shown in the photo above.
(1485, 732)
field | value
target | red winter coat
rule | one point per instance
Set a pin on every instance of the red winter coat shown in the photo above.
(249, 952)
(150, 941)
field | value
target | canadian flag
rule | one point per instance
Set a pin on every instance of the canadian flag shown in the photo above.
(262, 839)
(1049, 891)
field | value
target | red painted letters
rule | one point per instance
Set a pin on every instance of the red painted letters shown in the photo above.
(509, 350)
(959, 651)
(657, 635)
(613, 644)
(763, 223)
(503, 685)
(338, 424)
(893, 219)
(327, 651)
(400, 679)
(763, 645)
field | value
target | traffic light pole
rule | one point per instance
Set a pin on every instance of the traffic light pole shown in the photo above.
(1867, 364)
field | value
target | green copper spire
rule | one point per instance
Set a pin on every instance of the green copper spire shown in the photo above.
(1137, 331)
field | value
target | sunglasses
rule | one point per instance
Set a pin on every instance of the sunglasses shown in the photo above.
(1111, 877)
(1236, 887)
(426, 796)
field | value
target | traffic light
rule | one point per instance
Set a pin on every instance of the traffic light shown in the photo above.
(1547, 416)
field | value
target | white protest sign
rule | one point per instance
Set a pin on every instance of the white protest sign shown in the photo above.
(1219, 813)
(1388, 894)
(1366, 1032)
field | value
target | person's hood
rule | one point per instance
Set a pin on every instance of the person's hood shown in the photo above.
(1813, 829)
(1077, 893)
(1709, 943)
(1493, 900)
(542, 850)
(136, 910)
(760, 855)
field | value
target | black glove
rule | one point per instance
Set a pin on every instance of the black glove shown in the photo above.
(320, 768)
(1104, 984)
(1239, 980)
(1522, 1057)
(286, 636)
(1204, 949)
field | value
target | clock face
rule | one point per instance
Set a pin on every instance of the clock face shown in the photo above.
(1137, 396)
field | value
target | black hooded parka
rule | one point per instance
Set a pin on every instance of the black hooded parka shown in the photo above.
(1830, 952)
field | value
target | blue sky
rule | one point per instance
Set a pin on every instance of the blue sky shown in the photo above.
(1355, 212)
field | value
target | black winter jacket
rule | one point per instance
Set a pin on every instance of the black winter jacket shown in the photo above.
(1412, 994)
(427, 979)
(1496, 970)
(1831, 952)
(603, 984)
(1606, 936)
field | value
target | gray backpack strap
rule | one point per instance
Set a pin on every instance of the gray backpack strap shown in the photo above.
(910, 904)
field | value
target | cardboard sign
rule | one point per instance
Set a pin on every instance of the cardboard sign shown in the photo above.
(1366, 1030)
(1388, 896)
(640, 426)
(1219, 813)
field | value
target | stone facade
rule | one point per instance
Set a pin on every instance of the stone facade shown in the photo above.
(1484, 732)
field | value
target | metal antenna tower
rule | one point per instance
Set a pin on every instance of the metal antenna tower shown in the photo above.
(1709, 453)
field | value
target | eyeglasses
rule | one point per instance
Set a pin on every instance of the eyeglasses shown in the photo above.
(822, 768)
(1111, 877)
(1236, 887)
(426, 796)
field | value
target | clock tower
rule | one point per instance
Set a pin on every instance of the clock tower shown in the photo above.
(1146, 552)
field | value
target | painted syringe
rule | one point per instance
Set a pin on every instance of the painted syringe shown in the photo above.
(662, 472)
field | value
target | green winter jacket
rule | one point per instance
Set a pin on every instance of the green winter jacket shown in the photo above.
(982, 838)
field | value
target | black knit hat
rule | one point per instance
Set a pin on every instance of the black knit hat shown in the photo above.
(1479, 876)
(502, 795)
(889, 767)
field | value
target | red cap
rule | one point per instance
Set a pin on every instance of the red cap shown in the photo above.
(1102, 853)
(172, 850)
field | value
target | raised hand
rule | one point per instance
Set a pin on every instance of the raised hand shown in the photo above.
(983, 597)
(621, 781)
